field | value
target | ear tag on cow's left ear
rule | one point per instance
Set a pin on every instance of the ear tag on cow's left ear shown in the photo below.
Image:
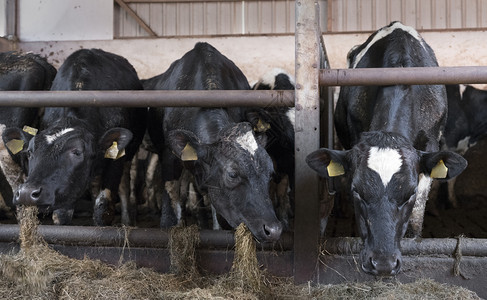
(335, 169)
(15, 146)
(262, 126)
(189, 153)
(30, 130)
(112, 152)
(440, 170)
(120, 153)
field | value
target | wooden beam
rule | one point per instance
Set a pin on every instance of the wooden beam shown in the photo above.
(307, 139)
(141, 22)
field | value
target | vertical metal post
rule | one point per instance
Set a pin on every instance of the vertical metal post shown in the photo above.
(307, 138)
(11, 15)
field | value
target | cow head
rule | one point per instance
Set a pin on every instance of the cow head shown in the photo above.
(235, 172)
(384, 171)
(59, 165)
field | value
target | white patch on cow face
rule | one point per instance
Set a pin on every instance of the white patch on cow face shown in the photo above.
(247, 141)
(291, 115)
(51, 138)
(386, 162)
(383, 33)
(270, 77)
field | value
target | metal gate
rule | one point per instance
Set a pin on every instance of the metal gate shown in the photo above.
(301, 255)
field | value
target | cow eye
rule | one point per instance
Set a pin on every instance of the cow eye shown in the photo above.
(403, 204)
(232, 174)
(357, 196)
(29, 154)
(76, 152)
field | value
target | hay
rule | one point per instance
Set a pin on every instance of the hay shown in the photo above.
(245, 275)
(38, 272)
(418, 290)
(182, 249)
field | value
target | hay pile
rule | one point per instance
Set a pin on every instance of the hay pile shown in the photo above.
(38, 272)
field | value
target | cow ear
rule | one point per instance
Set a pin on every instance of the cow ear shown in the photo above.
(15, 140)
(114, 141)
(442, 165)
(327, 162)
(185, 145)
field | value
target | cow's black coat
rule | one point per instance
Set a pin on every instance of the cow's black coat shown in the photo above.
(68, 152)
(20, 72)
(235, 179)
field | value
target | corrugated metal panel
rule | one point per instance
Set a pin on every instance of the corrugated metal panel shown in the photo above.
(369, 15)
(211, 18)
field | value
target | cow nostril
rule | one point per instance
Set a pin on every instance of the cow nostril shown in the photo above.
(397, 267)
(16, 197)
(273, 232)
(35, 194)
(373, 262)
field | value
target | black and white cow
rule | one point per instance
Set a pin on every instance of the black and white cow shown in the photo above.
(278, 125)
(392, 135)
(466, 124)
(68, 153)
(228, 160)
(20, 72)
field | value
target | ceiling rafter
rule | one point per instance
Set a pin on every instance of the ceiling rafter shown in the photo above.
(141, 22)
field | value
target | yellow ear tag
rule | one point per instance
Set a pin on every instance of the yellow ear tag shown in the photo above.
(440, 170)
(15, 146)
(189, 153)
(335, 169)
(120, 153)
(112, 152)
(262, 126)
(30, 130)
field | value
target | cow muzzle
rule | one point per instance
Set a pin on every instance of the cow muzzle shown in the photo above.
(272, 232)
(28, 195)
(383, 264)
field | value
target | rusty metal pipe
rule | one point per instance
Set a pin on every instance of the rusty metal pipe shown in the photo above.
(129, 237)
(213, 98)
(408, 76)
(411, 247)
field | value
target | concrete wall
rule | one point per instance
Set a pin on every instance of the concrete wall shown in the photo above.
(255, 55)
(3, 18)
(41, 20)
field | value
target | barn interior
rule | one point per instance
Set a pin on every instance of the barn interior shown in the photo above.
(258, 36)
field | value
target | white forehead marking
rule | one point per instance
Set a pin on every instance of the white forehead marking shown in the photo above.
(248, 142)
(51, 138)
(386, 162)
(385, 32)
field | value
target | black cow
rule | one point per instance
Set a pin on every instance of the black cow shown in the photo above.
(228, 160)
(20, 72)
(392, 133)
(68, 152)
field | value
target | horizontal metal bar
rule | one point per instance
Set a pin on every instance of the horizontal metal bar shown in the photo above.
(206, 98)
(408, 76)
(193, 1)
(224, 239)
(134, 237)
(411, 247)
